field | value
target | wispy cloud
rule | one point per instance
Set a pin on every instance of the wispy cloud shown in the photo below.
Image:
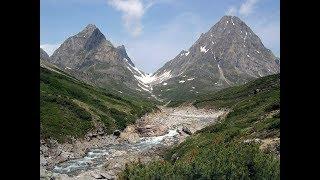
(245, 9)
(132, 13)
(49, 48)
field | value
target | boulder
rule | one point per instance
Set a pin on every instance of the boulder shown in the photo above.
(186, 130)
(42, 142)
(116, 133)
(89, 135)
(174, 157)
(151, 130)
(44, 174)
(107, 176)
(130, 137)
(97, 175)
(256, 91)
(178, 131)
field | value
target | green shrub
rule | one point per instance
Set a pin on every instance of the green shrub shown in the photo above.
(222, 161)
(218, 151)
(61, 118)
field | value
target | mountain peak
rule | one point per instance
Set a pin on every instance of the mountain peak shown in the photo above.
(123, 54)
(91, 26)
(89, 30)
(122, 47)
(229, 22)
(229, 53)
(229, 18)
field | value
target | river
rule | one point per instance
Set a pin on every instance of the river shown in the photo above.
(161, 130)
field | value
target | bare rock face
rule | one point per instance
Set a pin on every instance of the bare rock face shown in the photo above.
(230, 53)
(123, 54)
(78, 51)
(90, 57)
(44, 55)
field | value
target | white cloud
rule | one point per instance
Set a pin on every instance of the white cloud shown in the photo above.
(132, 13)
(245, 9)
(49, 48)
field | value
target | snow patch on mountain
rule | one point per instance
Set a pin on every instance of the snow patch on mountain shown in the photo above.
(203, 49)
(143, 88)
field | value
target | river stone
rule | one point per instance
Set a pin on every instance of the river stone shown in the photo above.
(116, 133)
(43, 161)
(107, 176)
(44, 174)
(116, 153)
(97, 175)
(186, 130)
(42, 142)
(152, 130)
(174, 157)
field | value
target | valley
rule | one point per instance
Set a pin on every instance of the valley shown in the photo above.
(211, 112)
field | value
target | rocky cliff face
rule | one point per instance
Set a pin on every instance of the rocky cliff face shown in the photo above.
(89, 56)
(84, 49)
(123, 54)
(44, 55)
(230, 53)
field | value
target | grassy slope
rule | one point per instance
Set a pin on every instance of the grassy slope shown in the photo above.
(218, 151)
(70, 108)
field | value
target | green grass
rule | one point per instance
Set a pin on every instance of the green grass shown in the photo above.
(218, 151)
(62, 117)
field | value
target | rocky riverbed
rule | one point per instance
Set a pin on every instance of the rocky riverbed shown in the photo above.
(102, 157)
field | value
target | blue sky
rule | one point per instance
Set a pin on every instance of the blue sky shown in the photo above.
(154, 31)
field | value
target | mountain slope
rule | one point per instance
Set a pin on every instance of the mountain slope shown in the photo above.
(228, 54)
(71, 108)
(44, 55)
(89, 56)
(243, 145)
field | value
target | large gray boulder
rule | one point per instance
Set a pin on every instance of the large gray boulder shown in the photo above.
(186, 130)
